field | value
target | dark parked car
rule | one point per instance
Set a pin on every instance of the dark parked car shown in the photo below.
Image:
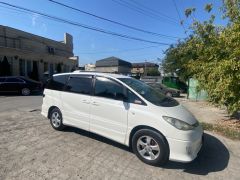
(19, 84)
(165, 90)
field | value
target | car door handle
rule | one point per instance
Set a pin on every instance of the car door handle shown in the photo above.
(85, 101)
(95, 103)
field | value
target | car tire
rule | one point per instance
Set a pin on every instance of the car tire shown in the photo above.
(56, 119)
(25, 92)
(150, 147)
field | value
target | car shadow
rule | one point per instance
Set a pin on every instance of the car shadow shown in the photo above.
(96, 137)
(213, 157)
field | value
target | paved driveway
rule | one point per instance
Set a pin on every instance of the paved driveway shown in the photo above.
(31, 149)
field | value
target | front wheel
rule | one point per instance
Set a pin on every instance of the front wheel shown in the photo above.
(150, 147)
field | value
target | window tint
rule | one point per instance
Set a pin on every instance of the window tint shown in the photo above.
(57, 82)
(149, 93)
(107, 88)
(13, 80)
(133, 98)
(2, 79)
(82, 85)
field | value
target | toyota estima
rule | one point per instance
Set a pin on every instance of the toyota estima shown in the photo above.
(126, 110)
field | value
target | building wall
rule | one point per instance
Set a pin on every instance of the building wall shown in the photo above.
(141, 70)
(124, 70)
(10, 37)
(90, 67)
(113, 69)
(137, 70)
(25, 49)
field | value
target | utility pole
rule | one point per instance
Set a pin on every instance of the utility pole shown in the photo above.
(145, 68)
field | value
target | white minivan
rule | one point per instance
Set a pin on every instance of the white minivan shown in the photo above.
(126, 110)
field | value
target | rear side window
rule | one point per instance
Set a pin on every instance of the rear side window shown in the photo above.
(108, 88)
(57, 82)
(81, 85)
(2, 79)
(13, 80)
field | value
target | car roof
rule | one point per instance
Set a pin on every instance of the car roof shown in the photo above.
(95, 73)
(11, 76)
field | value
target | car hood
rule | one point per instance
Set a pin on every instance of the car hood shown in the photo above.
(181, 113)
(172, 89)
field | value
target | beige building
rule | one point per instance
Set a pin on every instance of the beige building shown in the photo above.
(35, 56)
(144, 68)
(90, 67)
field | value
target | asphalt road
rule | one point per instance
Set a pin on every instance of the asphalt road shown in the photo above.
(31, 149)
(20, 103)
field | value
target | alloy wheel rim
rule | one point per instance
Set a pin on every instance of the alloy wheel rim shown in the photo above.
(148, 147)
(56, 119)
(25, 91)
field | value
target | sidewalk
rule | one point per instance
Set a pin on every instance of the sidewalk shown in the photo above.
(204, 111)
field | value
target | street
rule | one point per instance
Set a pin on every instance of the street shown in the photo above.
(31, 149)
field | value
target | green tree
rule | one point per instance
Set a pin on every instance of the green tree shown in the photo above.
(211, 55)
(152, 71)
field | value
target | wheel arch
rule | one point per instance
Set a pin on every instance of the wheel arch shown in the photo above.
(139, 127)
(50, 109)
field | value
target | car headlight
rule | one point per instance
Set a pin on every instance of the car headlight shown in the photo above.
(179, 124)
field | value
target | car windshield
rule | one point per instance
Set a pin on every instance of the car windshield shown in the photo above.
(155, 86)
(150, 94)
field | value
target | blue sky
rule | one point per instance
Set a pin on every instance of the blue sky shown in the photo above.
(90, 45)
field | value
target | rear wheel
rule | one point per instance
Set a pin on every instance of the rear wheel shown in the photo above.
(150, 147)
(25, 91)
(56, 119)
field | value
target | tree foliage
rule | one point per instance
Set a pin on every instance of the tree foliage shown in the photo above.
(211, 54)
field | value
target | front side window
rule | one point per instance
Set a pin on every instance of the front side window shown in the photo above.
(150, 94)
(108, 88)
(81, 85)
(133, 98)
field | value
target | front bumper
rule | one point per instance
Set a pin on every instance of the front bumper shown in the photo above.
(184, 151)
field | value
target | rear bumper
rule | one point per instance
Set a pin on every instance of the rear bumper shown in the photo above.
(184, 151)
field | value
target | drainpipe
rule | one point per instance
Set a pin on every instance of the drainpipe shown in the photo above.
(5, 37)
(145, 68)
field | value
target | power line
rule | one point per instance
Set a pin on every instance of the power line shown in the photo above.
(179, 16)
(112, 21)
(120, 51)
(141, 10)
(153, 11)
(126, 4)
(83, 25)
